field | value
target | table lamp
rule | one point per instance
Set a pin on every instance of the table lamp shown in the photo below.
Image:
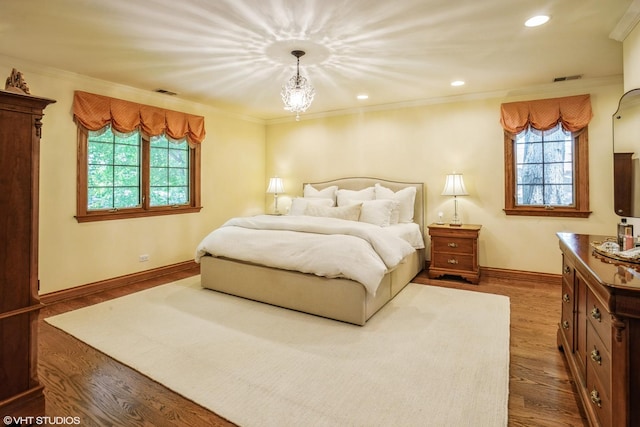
(454, 186)
(275, 186)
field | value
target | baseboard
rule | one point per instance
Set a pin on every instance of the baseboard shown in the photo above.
(91, 288)
(505, 275)
(501, 274)
(486, 273)
(28, 404)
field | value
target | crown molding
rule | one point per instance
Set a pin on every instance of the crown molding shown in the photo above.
(93, 84)
(627, 23)
(564, 88)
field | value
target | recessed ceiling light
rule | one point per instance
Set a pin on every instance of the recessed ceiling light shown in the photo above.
(362, 96)
(536, 21)
(457, 83)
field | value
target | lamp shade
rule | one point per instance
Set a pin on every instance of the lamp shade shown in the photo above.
(275, 186)
(454, 186)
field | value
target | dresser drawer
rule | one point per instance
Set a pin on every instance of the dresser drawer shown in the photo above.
(567, 296)
(598, 316)
(567, 273)
(453, 261)
(566, 321)
(598, 397)
(455, 245)
(599, 359)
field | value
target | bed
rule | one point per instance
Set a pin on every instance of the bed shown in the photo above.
(342, 297)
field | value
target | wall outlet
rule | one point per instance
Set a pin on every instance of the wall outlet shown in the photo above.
(144, 257)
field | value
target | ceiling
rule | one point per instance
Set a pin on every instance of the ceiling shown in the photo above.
(235, 54)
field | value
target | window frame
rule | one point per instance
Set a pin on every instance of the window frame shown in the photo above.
(581, 181)
(145, 210)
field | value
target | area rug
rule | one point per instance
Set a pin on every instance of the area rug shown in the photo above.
(431, 357)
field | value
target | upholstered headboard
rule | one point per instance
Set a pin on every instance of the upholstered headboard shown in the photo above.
(359, 183)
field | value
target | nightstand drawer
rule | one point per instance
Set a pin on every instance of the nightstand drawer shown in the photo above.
(453, 245)
(453, 261)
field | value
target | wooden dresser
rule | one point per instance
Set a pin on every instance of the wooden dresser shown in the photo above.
(21, 394)
(599, 331)
(454, 251)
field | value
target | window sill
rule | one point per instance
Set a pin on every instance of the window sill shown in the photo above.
(553, 212)
(125, 214)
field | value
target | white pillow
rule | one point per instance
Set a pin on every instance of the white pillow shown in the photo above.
(377, 212)
(299, 204)
(405, 197)
(351, 213)
(345, 196)
(325, 193)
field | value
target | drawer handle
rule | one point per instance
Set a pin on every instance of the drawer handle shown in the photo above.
(567, 270)
(452, 261)
(565, 324)
(452, 244)
(595, 398)
(595, 356)
(595, 313)
(566, 298)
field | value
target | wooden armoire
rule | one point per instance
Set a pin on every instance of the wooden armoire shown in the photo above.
(21, 394)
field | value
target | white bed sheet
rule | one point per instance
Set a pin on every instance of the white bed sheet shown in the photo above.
(326, 247)
(409, 231)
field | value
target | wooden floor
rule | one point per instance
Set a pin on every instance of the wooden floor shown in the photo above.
(82, 382)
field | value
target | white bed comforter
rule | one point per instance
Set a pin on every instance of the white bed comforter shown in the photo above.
(326, 247)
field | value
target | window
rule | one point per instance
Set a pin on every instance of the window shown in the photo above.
(135, 160)
(544, 168)
(113, 170)
(169, 172)
(546, 173)
(131, 175)
(546, 149)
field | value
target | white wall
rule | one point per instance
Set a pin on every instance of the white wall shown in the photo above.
(73, 254)
(427, 142)
(631, 57)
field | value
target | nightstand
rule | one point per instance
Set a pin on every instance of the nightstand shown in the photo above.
(454, 251)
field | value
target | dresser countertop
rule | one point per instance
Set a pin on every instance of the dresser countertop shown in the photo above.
(608, 272)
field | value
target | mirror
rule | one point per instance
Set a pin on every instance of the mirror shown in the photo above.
(626, 155)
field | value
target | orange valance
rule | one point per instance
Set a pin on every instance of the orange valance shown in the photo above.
(96, 111)
(574, 112)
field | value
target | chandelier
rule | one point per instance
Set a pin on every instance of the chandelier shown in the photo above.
(297, 93)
